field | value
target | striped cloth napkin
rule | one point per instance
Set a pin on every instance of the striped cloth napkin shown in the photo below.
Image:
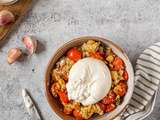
(147, 77)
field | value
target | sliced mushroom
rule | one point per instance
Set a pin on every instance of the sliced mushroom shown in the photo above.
(31, 43)
(13, 55)
(6, 17)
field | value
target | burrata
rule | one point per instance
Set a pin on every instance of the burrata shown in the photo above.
(89, 81)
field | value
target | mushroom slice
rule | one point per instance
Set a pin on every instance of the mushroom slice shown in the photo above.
(13, 55)
(31, 43)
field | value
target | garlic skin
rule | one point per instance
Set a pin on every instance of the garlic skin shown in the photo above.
(13, 55)
(7, 2)
(31, 43)
(6, 17)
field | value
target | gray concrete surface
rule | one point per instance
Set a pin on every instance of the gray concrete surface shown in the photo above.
(133, 24)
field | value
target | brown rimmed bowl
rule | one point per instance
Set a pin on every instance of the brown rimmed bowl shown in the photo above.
(55, 104)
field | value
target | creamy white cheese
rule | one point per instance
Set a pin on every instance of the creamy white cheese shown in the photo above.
(89, 81)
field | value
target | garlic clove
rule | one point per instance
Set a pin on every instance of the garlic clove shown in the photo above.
(31, 43)
(6, 17)
(13, 55)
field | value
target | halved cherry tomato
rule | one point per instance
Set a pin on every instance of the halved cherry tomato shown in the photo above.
(118, 63)
(121, 89)
(110, 107)
(110, 98)
(125, 75)
(63, 97)
(77, 115)
(74, 54)
(102, 106)
(96, 55)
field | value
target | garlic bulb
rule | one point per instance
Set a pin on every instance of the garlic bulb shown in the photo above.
(13, 55)
(31, 43)
(6, 17)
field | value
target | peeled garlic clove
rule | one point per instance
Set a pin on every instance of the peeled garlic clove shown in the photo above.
(13, 55)
(30, 43)
(6, 17)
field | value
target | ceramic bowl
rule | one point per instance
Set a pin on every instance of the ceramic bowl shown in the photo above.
(55, 104)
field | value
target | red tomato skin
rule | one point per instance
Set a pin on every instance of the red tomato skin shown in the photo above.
(118, 63)
(63, 97)
(74, 54)
(102, 106)
(110, 107)
(125, 75)
(96, 55)
(110, 98)
(77, 115)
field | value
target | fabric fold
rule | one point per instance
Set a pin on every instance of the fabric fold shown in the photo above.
(147, 79)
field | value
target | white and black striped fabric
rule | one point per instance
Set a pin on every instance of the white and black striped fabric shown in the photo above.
(147, 78)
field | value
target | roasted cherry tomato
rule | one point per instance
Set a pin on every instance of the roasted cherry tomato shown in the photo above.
(63, 97)
(118, 63)
(102, 106)
(121, 89)
(77, 115)
(110, 107)
(110, 98)
(96, 55)
(74, 54)
(125, 75)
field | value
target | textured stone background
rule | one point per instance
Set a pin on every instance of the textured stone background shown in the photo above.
(133, 24)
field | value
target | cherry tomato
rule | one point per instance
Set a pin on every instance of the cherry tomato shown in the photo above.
(125, 75)
(63, 97)
(110, 98)
(77, 115)
(74, 54)
(110, 107)
(118, 63)
(96, 55)
(102, 106)
(121, 89)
